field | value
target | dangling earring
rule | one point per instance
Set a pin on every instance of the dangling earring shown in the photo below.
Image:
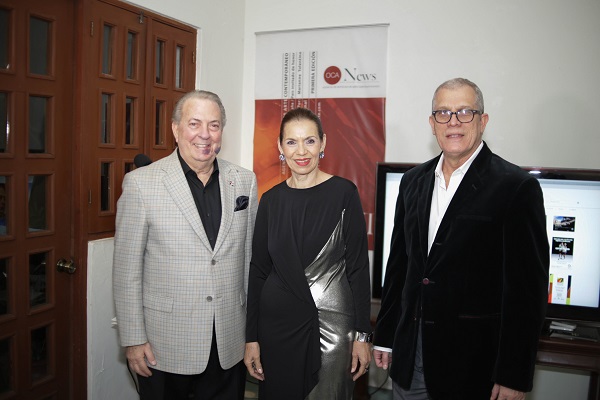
(281, 157)
(322, 154)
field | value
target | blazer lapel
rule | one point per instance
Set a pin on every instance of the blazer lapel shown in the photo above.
(469, 186)
(425, 191)
(227, 186)
(178, 188)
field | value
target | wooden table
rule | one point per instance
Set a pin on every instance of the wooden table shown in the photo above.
(574, 354)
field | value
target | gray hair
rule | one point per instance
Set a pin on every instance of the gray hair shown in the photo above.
(458, 83)
(198, 94)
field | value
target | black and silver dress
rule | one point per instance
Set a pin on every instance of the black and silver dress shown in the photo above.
(308, 289)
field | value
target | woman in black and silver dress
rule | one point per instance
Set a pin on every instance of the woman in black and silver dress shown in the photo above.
(308, 327)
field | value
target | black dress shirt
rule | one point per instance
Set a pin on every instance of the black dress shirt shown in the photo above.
(207, 199)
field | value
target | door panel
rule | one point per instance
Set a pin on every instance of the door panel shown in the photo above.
(138, 66)
(173, 74)
(35, 209)
(115, 56)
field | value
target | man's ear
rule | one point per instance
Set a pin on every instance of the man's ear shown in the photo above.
(174, 127)
(484, 120)
(432, 123)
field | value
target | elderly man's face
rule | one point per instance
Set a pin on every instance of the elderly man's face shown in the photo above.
(198, 134)
(458, 140)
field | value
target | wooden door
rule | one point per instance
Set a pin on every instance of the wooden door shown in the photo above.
(36, 103)
(172, 71)
(137, 66)
(114, 57)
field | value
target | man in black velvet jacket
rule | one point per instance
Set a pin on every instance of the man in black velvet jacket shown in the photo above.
(465, 289)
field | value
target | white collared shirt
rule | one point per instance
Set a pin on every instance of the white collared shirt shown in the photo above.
(442, 195)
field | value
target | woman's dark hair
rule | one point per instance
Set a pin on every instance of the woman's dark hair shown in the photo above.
(299, 114)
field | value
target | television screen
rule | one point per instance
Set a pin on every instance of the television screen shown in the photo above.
(572, 204)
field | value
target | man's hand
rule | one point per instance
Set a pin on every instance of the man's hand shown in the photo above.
(504, 393)
(361, 358)
(137, 356)
(383, 359)
(252, 361)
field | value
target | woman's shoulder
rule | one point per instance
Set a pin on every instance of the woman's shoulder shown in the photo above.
(274, 191)
(340, 183)
(340, 190)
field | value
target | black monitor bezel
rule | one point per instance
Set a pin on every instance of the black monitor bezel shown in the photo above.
(383, 169)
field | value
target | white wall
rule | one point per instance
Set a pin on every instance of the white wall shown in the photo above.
(536, 62)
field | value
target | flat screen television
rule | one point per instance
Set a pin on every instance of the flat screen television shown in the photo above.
(572, 204)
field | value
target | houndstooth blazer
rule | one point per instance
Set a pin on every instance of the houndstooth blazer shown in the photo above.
(168, 283)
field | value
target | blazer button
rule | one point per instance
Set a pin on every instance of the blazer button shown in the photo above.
(213, 262)
(425, 281)
(209, 298)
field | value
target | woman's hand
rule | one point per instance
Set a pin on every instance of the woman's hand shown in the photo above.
(252, 361)
(361, 358)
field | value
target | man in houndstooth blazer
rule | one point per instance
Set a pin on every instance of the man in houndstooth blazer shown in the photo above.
(182, 252)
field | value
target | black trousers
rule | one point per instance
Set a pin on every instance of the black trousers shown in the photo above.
(215, 383)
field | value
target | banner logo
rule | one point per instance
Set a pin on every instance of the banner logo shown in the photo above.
(332, 75)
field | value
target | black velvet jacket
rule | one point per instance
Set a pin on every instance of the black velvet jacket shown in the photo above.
(481, 292)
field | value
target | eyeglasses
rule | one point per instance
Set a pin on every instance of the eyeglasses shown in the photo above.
(463, 116)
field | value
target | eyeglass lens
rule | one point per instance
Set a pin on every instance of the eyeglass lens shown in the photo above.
(463, 116)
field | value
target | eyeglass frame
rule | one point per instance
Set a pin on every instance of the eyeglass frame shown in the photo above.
(473, 113)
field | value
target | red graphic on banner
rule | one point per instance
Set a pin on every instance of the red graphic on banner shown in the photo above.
(355, 130)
